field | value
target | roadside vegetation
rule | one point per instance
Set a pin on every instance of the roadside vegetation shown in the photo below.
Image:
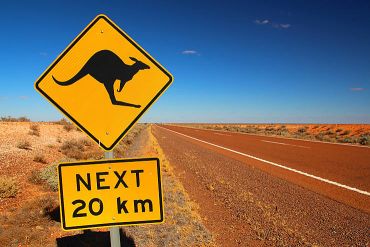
(33, 219)
(182, 226)
(34, 130)
(8, 187)
(24, 144)
(322, 132)
(14, 119)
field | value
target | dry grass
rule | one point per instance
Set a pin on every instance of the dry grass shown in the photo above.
(40, 158)
(80, 149)
(122, 146)
(68, 127)
(8, 187)
(182, 226)
(34, 130)
(30, 224)
(24, 144)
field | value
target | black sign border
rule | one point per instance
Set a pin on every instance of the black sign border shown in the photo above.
(69, 48)
(62, 211)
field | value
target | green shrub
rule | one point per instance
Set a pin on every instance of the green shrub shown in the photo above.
(347, 140)
(364, 140)
(49, 175)
(8, 187)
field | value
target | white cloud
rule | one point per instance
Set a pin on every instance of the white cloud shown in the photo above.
(357, 89)
(23, 97)
(285, 26)
(273, 24)
(262, 22)
(189, 52)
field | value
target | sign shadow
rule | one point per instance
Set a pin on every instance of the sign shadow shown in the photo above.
(88, 237)
(93, 239)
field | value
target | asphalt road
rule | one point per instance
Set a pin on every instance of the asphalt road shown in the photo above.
(274, 190)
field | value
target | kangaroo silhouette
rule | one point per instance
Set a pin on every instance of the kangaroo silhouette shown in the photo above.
(106, 67)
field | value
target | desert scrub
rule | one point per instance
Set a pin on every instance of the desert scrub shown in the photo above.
(346, 132)
(183, 226)
(68, 127)
(80, 149)
(40, 158)
(348, 140)
(23, 144)
(34, 130)
(48, 175)
(8, 187)
(126, 142)
(302, 130)
(364, 140)
(30, 223)
(12, 119)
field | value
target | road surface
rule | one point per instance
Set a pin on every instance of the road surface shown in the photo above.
(260, 190)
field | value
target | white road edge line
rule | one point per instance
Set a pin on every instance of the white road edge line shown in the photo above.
(275, 164)
(286, 144)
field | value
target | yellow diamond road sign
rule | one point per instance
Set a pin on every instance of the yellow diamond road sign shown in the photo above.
(110, 192)
(104, 82)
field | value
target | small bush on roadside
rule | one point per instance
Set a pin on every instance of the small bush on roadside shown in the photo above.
(68, 127)
(364, 140)
(34, 130)
(8, 187)
(40, 158)
(62, 121)
(49, 175)
(80, 149)
(301, 130)
(24, 145)
(339, 130)
(59, 139)
(347, 140)
(346, 132)
(329, 132)
(320, 136)
(35, 177)
(73, 149)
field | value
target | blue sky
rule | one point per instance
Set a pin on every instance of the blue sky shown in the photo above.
(233, 61)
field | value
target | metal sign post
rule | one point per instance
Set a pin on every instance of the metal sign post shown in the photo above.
(115, 240)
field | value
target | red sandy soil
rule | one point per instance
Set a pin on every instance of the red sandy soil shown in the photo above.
(18, 164)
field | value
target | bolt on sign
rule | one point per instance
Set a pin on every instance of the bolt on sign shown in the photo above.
(110, 192)
(104, 82)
